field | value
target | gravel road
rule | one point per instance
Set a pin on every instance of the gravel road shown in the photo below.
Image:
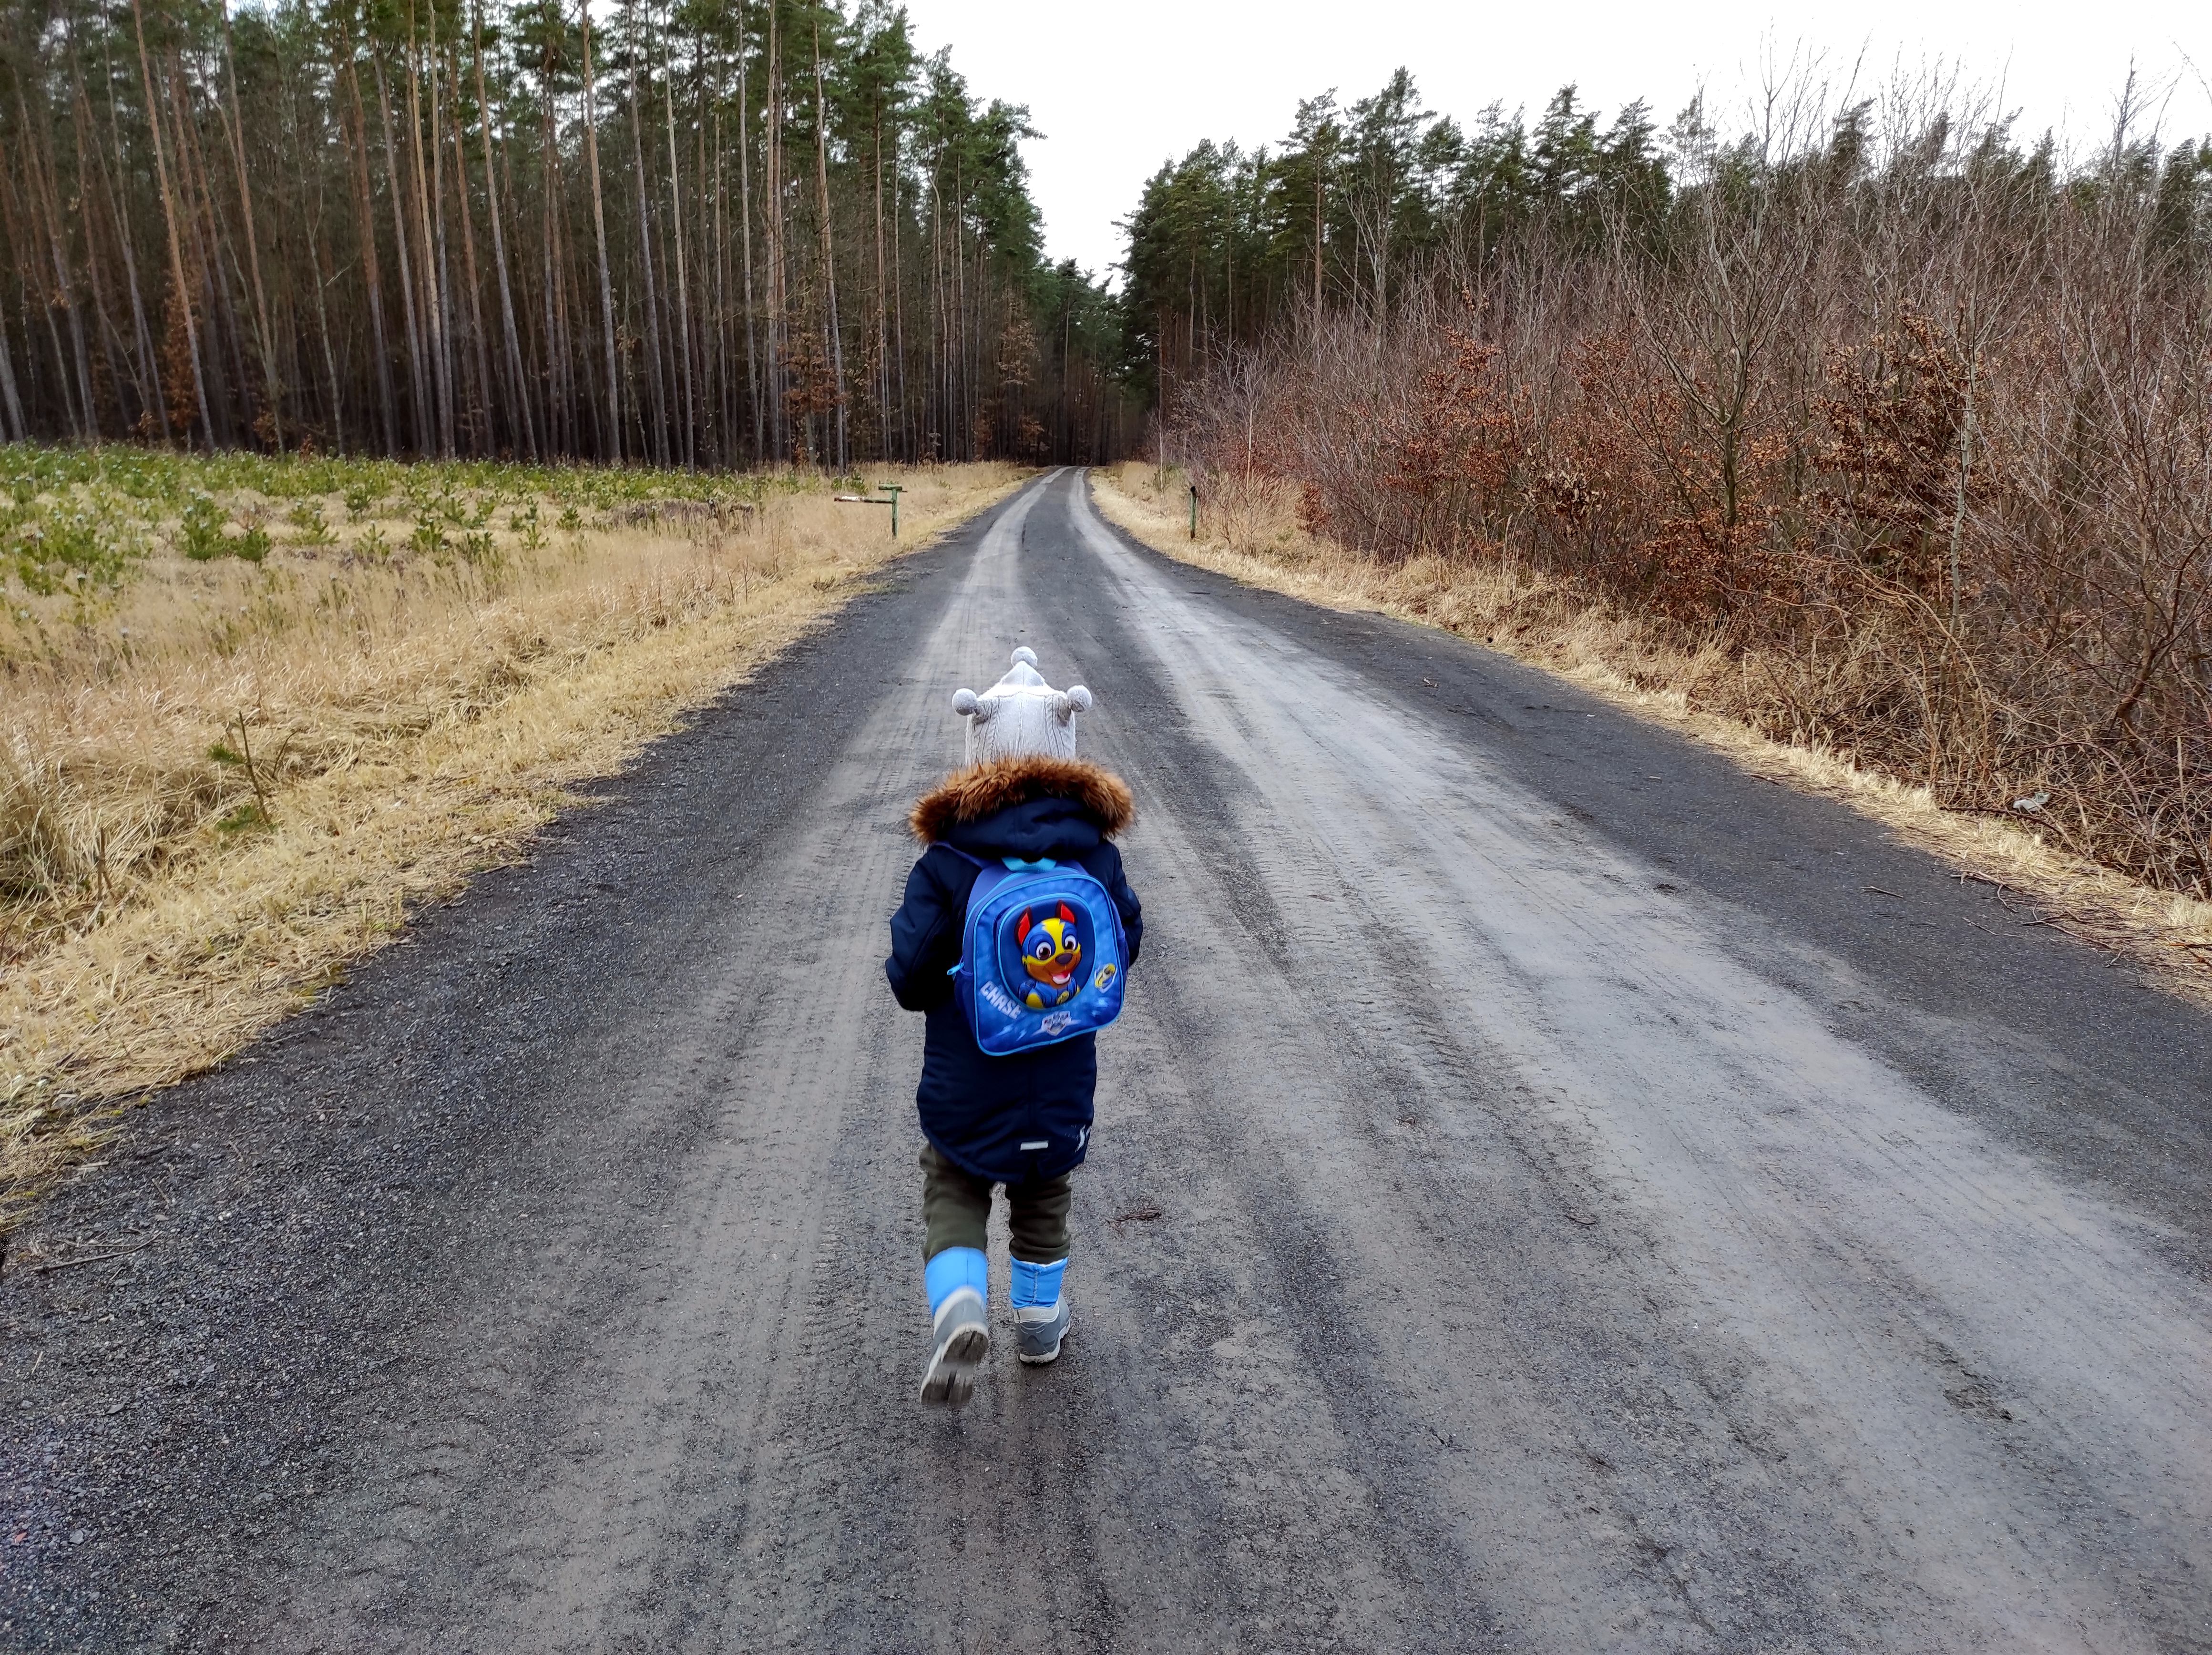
(1551, 1192)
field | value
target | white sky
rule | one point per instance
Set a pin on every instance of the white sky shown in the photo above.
(1119, 88)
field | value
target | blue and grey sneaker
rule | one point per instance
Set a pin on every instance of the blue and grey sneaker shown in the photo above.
(959, 1338)
(1040, 1310)
(1038, 1330)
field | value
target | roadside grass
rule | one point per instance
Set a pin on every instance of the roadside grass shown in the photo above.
(1253, 535)
(262, 708)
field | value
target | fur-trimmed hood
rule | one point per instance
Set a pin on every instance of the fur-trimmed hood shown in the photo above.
(982, 791)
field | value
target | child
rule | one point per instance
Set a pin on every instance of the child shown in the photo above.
(1022, 1120)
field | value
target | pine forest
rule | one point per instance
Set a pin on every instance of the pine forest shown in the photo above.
(696, 235)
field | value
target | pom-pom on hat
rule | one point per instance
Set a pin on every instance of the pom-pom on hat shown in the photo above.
(1021, 716)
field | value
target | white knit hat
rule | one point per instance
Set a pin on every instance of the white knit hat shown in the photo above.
(1021, 716)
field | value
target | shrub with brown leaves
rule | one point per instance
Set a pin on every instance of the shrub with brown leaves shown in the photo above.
(1934, 461)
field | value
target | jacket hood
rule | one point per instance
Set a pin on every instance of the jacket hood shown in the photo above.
(968, 798)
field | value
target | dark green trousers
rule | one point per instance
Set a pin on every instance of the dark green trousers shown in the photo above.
(956, 1204)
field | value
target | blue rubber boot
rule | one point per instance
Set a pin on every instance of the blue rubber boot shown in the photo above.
(1041, 1314)
(960, 1332)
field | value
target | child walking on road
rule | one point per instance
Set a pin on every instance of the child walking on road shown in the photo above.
(1016, 929)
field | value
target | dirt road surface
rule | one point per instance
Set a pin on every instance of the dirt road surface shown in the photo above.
(1551, 1192)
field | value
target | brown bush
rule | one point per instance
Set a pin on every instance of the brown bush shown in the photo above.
(1929, 455)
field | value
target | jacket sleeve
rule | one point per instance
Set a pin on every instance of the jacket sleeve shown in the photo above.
(926, 931)
(1104, 864)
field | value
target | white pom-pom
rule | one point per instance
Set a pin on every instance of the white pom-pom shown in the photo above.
(963, 701)
(1080, 696)
(1025, 656)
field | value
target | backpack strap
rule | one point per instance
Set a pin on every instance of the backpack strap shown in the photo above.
(988, 875)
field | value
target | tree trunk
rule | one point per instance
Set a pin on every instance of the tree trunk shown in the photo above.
(518, 381)
(46, 224)
(482, 412)
(324, 277)
(370, 269)
(151, 369)
(561, 427)
(725, 383)
(683, 290)
(745, 220)
(835, 334)
(883, 386)
(65, 280)
(653, 379)
(272, 391)
(169, 216)
(430, 236)
(89, 171)
(1316, 270)
(898, 321)
(418, 401)
(776, 353)
(11, 400)
(202, 226)
(610, 442)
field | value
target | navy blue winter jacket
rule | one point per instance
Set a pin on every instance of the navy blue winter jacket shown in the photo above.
(978, 1109)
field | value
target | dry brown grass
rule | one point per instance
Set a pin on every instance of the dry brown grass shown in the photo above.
(1252, 533)
(409, 719)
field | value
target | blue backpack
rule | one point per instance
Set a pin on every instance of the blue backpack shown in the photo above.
(1041, 954)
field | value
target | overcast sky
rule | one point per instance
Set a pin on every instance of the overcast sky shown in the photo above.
(1119, 88)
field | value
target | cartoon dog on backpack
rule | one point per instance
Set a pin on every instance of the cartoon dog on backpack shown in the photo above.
(1052, 956)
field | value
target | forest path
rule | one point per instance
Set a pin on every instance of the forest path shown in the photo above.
(1551, 1190)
